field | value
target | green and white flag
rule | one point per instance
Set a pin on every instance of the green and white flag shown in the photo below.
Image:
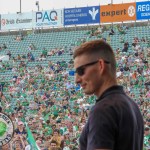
(31, 139)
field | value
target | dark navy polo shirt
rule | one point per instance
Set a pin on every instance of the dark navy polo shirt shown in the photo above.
(115, 122)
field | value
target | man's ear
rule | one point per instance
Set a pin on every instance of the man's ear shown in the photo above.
(101, 65)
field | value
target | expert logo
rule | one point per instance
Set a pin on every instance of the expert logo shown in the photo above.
(113, 13)
(131, 11)
(6, 129)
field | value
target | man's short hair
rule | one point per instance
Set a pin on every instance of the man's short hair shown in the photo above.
(53, 141)
(95, 50)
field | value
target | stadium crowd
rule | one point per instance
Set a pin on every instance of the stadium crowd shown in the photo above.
(51, 110)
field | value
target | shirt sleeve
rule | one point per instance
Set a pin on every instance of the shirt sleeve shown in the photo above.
(102, 128)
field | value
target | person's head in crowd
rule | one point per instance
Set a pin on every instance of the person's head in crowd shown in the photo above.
(20, 125)
(35, 135)
(1, 94)
(53, 143)
(6, 147)
(147, 131)
(39, 138)
(70, 128)
(56, 133)
(148, 122)
(40, 125)
(65, 144)
(47, 122)
(63, 123)
(20, 129)
(80, 127)
(41, 121)
(98, 57)
(48, 137)
(54, 126)
(30, 124)
(39, 143)
(17, 145)
(20, 113)
(66, 135)
(58, 124)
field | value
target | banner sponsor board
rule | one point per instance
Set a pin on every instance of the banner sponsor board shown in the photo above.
(48, 18)
(118, 12)
(82, 15)
(16, 21)
(143, 10)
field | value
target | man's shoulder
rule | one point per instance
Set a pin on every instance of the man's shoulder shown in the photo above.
(114, 104)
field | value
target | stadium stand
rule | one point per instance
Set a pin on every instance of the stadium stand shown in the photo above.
(37, 81)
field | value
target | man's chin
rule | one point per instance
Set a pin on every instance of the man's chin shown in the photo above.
(88, 92)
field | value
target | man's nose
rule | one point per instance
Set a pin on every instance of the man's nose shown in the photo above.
(77, 79)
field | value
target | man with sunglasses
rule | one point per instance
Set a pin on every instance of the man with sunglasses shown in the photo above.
(115, 122)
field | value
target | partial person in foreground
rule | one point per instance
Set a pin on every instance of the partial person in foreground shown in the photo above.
(115, 121)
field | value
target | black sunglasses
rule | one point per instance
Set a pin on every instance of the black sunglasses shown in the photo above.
(80, 70)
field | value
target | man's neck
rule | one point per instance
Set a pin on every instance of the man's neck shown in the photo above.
(109, 83)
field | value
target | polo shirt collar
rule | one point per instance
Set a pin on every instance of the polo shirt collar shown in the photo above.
(112, 89)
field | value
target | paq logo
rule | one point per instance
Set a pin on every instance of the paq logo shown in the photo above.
(93, 13)
(46, 16)
(6, 129)
(131, 11)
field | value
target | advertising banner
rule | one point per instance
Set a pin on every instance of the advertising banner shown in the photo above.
(16, 21)
(143, 10)
(48, 18)
(118, 12)
(82, 15)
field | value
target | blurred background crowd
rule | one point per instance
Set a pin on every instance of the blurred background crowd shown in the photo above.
(37, 89)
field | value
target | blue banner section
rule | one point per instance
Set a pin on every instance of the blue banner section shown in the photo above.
(82, 15)
(143, 10)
